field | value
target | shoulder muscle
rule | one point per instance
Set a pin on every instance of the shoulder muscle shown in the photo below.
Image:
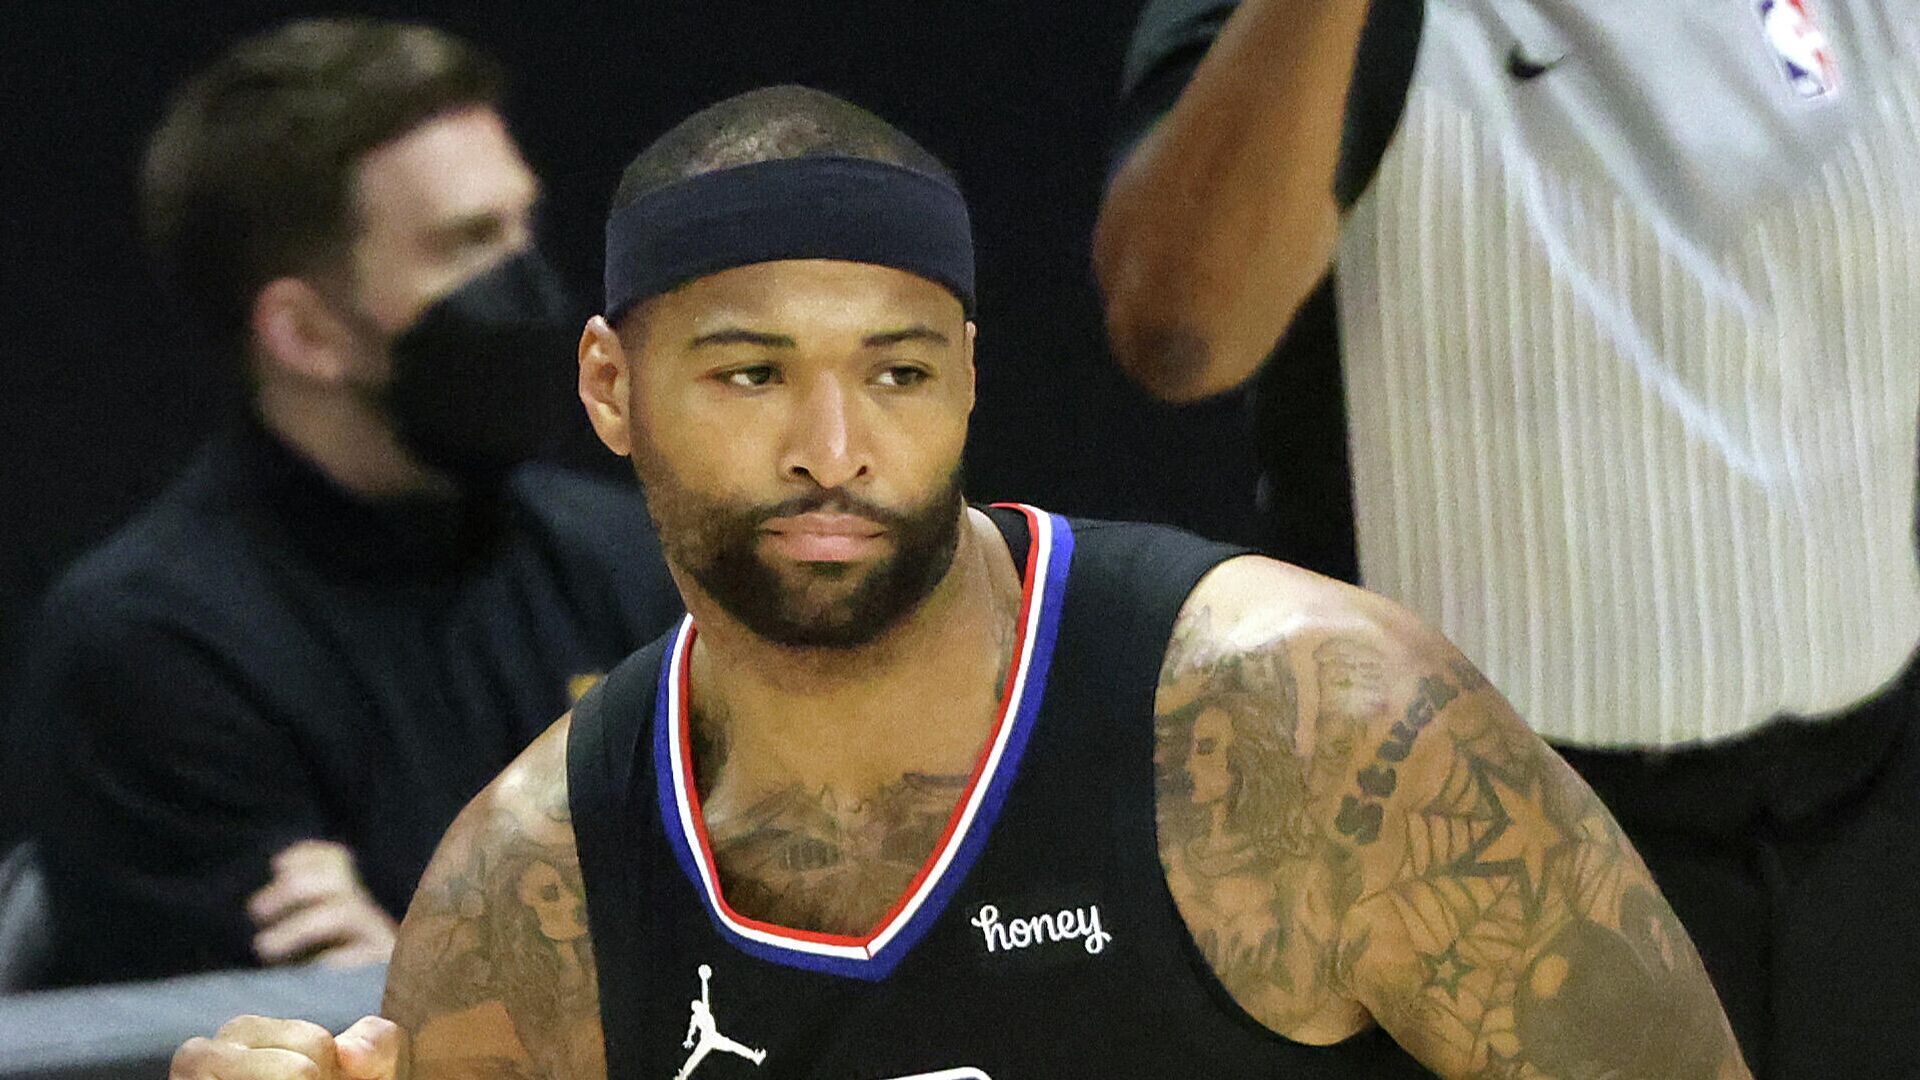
(1270, 682)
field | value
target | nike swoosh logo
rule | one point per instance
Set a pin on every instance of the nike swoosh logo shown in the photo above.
(1525, 68)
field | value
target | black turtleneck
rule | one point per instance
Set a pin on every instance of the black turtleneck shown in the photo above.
(262, 657)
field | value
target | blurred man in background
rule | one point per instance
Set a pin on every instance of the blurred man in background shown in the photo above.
(249, 716)
(1627, 316)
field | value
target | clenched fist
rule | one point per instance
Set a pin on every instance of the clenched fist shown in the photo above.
(262, 1048)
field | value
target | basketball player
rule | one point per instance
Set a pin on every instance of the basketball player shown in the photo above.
(921, 789)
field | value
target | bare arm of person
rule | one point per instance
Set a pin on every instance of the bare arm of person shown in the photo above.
(493, 973)
(317, 908)
(1358, 828)
(1223, 219)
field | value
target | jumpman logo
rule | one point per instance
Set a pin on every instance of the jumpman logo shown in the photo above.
(703, 1036)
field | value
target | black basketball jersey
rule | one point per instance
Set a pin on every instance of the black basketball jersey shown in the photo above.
(1039, 942)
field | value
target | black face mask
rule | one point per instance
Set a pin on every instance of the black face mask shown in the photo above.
(483, 379)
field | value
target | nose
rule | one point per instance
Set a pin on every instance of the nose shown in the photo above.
(825, 445)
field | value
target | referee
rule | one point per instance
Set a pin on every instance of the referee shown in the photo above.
(1626, 299)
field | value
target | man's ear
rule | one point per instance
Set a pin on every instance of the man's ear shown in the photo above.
(296, 331)
(604, 384)
(973, 373)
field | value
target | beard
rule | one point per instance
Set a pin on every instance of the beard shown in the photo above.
(811, 605)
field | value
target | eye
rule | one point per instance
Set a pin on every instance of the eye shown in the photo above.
(480, 233)
(747, 378)
(904, 375)
(484, 233)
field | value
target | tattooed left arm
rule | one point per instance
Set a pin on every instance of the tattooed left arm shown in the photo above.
(1514, 931)
(1407, 848)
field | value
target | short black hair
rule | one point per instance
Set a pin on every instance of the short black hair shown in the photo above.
(251, 174)
(773, 123)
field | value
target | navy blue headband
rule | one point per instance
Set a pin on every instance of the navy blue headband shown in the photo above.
(844, 208)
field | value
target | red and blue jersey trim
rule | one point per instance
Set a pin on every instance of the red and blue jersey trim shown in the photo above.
(874, 955)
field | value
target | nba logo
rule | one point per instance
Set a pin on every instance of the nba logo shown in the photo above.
(1806, 58)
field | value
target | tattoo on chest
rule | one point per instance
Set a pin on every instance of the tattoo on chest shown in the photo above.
(813, 859)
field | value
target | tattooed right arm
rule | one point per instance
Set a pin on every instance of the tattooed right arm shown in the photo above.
(493, 973)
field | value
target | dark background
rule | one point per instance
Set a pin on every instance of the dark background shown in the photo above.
(103, 399)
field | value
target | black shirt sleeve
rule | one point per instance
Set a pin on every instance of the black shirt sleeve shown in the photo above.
(1168, 43)
(1296, 404)
(1173, 36)
(166, 792)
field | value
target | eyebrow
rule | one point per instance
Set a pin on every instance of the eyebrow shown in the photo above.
(459, 224)
(734, 335)
(910, 333)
